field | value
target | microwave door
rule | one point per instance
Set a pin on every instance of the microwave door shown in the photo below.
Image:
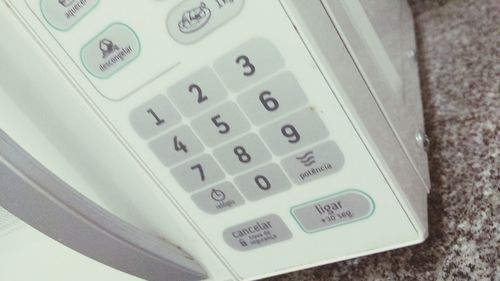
(38, 197)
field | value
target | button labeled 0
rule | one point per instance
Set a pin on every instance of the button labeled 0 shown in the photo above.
(110, 50)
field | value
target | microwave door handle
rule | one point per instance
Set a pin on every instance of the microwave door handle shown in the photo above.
(31, 192)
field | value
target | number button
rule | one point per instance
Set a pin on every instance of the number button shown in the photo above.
(263, 182)
(197, 173)
(221, 124)
(294, 132)
(249, 63)
(154, 117)
(242, 154)
(176, 146)
(272, 99)
(197, 92)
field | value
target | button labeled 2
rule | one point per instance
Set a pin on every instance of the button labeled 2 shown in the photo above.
(197, 92)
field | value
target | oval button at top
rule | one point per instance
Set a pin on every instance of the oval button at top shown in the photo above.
(193, 19)
(63, 14)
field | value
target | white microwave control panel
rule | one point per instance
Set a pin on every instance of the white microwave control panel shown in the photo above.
(222, 103)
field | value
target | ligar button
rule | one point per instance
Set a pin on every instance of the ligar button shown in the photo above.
(337, 209)
(63, 14)
(110, 50)
(193, 19)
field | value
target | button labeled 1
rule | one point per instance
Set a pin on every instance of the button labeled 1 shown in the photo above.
(294, 132)
(176, 146)
(249, 63)
(154, 117)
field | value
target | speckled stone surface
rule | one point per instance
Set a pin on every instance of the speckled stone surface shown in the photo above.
(459, 57)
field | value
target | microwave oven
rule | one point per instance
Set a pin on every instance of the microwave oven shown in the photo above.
(206, 139)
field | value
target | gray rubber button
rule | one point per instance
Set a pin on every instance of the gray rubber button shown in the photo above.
(263, 182)
(198, 173)
(110, 51)
(221, 124)
(273, 98)
(315, 163)
(176, 146)
(248, 64)
(242, 154)
(197, 92)
(63, 14)
(335, 210)
(294, 132)
(154, 117)
(217, 199)
(191, 20)
(257, 233)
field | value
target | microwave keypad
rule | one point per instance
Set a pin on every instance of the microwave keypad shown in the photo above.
(226, 154)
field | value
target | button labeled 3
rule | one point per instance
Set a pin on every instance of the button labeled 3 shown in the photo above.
(63, 14)
(193, 19)
(110, 51)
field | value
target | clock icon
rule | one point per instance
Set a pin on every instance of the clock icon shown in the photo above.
(218, 195)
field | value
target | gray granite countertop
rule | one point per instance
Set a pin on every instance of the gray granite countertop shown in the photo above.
(459, 57)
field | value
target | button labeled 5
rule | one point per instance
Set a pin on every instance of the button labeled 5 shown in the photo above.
(221, 124)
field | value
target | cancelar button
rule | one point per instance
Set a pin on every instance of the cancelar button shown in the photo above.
(193, 19)
(63, 14)
(334, 210)
(257, 233)
(110, 51)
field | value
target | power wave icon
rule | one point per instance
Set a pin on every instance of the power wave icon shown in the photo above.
(307, 159)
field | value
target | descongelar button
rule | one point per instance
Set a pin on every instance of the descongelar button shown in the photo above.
(193, 19)
(110, 50)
